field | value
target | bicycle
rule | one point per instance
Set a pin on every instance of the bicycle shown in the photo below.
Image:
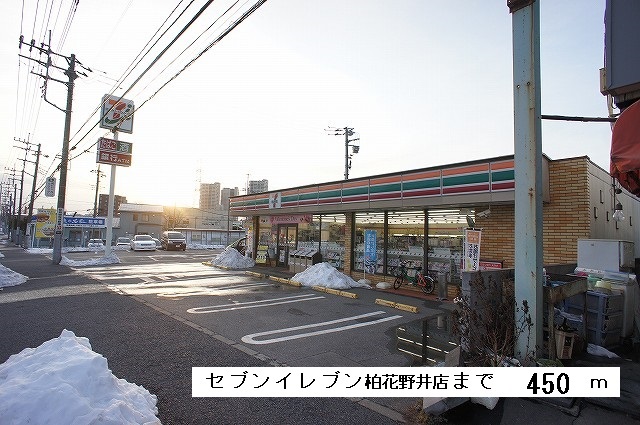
(426, 283)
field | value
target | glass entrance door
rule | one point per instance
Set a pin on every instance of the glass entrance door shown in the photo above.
(287, 241)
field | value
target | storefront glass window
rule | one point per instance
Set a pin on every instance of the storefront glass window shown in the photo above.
(405, 240)
(368, 221)
(446, 237)
(309, 233)
(268, 235)
(332, 233)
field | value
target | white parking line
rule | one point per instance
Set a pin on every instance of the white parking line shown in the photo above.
(250, 339)
(253, 304)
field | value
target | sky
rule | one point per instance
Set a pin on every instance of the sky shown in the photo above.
(422, 84)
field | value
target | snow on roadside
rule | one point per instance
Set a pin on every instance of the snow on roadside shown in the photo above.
(63, 381)
(99, 261)
(232, 259)
(324, 274)
(10, 278)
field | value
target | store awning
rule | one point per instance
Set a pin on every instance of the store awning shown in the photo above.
(625, 149)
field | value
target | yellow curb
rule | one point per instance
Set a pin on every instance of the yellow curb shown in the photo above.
(283, 280)
(404, 307)
(206, 263)
(335, 291)
(254, 273)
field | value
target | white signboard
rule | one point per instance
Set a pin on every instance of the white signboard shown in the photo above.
(118, 113)
(472, 250)
(50, 187)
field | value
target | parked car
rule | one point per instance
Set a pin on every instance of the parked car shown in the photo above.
(173, 240)
(122, 241)
(142, 243)
(240, 245)
(158, 243)
(95, 244)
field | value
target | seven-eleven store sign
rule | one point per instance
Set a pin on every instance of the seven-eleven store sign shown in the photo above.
(117, 113)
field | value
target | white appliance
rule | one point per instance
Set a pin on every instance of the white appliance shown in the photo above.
(606, 255)
(612, 261)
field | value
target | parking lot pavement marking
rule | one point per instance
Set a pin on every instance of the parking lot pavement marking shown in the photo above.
(253, 304)
(250, 339)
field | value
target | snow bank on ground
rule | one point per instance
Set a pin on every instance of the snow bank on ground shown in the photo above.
(324, 274)
(10, 278)
(62, 381)
(231, 258)
(202, 246)
(99, 261)
(597, 350)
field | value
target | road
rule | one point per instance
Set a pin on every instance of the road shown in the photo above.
(287, 324)
(157, 314)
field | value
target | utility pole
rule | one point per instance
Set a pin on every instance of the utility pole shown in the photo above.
(95, 199)
(71, 74)
(347, 132)
(33, 186)
(24, 163)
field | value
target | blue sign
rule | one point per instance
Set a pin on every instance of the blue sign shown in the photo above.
(370, 251)
(84, 222)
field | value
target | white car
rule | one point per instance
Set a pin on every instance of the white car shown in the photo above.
(123, 241)
(142, 243)
(95, 244)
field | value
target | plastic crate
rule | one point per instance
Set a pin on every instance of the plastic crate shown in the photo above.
(603, 339)
(598, 302)
(601, 321)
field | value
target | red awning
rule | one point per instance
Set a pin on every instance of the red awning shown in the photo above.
(625, 149)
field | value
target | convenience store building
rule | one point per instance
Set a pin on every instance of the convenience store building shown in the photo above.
(420, 216)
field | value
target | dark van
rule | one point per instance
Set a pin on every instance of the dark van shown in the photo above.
(173, 240)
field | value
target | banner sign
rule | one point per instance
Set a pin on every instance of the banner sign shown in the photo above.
(96, 222)
(370, 251)
(472, 250)
(45, 223)
(293, 219)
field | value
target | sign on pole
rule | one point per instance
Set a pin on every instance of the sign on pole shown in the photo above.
(50, 187)
(114, 152)
(117, 114)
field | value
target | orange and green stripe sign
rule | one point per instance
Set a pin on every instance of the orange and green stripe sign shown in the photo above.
(475, 178)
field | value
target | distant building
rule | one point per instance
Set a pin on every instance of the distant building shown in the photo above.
(103, 204)
(209, 196)
(258, 186)
(136, 219)
(226, 194)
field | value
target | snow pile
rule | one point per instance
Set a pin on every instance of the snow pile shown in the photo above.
(231, 258)
(324, 274)
(597, 350)
(193, 245)
(99, 261)
(63, 382)
(10, 278)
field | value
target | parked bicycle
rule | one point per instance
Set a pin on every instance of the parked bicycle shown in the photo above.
(425, 282)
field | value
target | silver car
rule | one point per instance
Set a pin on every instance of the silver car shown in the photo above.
(142, 243)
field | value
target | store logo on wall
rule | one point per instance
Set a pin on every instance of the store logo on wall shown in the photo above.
(275, 200)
